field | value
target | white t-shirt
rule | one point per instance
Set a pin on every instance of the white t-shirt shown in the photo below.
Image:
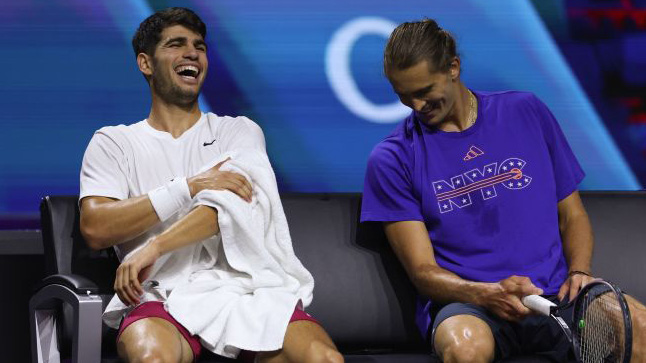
(128, 161)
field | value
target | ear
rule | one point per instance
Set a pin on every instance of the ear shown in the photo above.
(455, 69)
(145, 64)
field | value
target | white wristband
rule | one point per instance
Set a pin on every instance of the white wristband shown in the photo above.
(168, 199)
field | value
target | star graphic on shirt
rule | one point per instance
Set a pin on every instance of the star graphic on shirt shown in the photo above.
(457, 182)
(488, 192)
(519, 184)
(511, 163)
(445, 206)
(489, 170)
(473, 175)
(439, 187)
(526, 180)
(464, 201)
(504, 168)
(511, 184)
(520, 163)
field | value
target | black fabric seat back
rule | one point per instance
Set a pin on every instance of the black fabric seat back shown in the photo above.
(65, 249)
(362, 295)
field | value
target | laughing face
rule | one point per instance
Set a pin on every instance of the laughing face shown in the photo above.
(178, 68)
(431, 95)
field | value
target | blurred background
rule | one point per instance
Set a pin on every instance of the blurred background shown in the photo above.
(310, 74)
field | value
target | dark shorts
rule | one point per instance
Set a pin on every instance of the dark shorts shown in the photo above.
(155, 309)
(534, 335)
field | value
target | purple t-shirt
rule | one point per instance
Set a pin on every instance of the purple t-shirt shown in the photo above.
(488, 195)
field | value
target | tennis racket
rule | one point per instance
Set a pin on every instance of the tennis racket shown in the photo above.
(601, 328)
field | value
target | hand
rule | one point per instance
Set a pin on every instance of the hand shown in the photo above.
(505, 298)
(573, 285)
(134, 270)
(214, 179)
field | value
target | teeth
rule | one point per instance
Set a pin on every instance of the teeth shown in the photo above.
(193, 69)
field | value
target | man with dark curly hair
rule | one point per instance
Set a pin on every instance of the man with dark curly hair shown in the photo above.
(139, 194)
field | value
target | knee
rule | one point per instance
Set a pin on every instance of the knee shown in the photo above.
(464, 343)
(319, 352)
(467, 351)
(156, 357)
(151, 354)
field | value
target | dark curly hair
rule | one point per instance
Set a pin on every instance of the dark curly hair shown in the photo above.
(149, 32)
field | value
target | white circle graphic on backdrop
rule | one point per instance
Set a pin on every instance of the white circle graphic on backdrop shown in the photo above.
(339, 74)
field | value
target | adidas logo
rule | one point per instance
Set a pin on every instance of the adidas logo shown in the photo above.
(473, 153)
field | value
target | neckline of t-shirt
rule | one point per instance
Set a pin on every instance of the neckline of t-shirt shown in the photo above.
(167, 135)
(459, 134)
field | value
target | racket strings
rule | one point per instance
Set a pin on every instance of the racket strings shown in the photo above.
(600, 329)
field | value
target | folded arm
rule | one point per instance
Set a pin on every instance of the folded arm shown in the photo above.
(107, 222)
(412, 245)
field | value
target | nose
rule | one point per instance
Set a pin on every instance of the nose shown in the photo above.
(417, 104)
(191, 53)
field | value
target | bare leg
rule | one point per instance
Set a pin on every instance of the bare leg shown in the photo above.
(464, 338)
(305, 342)
(153, 340)
(638, 317)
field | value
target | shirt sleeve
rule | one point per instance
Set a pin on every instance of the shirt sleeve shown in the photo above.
(567, 170)
(388, 190)
(242, 133)
(103, 169)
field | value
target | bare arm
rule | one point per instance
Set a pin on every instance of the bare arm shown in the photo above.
(197, 225)
(106, 222)
(410, 241)
(578, 242)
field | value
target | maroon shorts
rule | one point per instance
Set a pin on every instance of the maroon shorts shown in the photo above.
(155, 309)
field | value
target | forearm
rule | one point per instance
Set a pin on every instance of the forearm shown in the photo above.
(199, 224)
(444, 286)
(411, 244)
(576, 233)
(106, 222)
(578, 243)
(413, 247)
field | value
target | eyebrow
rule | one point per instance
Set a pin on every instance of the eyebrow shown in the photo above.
(182, 40)
(200, 42)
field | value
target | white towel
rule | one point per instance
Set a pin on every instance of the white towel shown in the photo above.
(246, 299)
(238, 289)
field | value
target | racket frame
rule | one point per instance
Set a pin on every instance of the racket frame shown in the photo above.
(578, 301)
(578, 304)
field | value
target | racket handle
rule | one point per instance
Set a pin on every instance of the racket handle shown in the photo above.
(538, 304)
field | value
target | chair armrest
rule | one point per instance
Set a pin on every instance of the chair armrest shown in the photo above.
(87, 309)
(76, 283)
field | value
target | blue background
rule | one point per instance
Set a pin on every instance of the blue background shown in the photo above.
(68, 68)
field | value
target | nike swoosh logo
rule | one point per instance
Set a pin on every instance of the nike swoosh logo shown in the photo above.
(209, 143)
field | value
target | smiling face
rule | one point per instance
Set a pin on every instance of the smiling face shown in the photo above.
(432, 95)
(178, 67)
